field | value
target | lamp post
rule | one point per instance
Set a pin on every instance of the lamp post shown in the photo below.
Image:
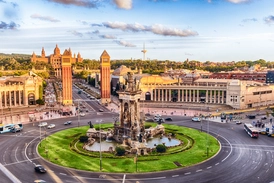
(40, 132)
(100, 138)
(136, 160)
(207, 138)
(78, 112)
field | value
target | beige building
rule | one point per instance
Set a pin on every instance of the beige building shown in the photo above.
(235, 93)
(228, 92)
(16, 91)
(55, 59)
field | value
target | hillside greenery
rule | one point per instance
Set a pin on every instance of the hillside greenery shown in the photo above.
(22, 62)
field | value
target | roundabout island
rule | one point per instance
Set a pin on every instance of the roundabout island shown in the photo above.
(64, 148)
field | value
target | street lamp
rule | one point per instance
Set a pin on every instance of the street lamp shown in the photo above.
(207, 138)
(78, 113)
(136, 160)
(99, 121)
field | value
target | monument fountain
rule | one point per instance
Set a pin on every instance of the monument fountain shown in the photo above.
(129, 131)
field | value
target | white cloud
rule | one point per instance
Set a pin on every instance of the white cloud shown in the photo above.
(124, 43)
(123, 4)
(269, 19)
(107, 37)
(238, 1)
(156, 29)
(44, 18)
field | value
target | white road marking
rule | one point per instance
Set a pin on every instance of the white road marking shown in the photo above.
(175, 175)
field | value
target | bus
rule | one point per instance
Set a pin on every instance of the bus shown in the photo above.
(4, 128)
(251, 131)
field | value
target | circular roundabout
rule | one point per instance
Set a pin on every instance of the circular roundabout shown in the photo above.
(65, 148)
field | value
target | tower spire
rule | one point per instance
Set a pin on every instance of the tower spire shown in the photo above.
(144, 52)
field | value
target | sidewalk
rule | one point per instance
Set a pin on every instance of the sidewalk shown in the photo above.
(34, 114)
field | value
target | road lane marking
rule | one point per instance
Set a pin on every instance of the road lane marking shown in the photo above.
(187, 173)
(209, 167)
(175, 175)
(16, 155)
(199, 170)
(217, 164)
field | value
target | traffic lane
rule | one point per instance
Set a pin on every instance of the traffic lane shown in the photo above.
(4, 178)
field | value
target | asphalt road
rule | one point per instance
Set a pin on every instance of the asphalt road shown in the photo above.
(241, 158)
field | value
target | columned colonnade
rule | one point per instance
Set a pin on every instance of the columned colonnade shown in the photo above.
(189, 95)
(12, 95)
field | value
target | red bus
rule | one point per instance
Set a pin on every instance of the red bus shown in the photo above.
(251, 131)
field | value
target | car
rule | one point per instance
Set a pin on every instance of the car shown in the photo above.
(43, 124)
(264, 118)
(101, 110)
(168, 119)
(51, 126)
(196, 119)
(238, 122)
(161, 120)
(40, 169)
(82, 114)
(67, 123)
(149, 120)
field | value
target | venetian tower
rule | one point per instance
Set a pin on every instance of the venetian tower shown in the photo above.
(66, 78)
(105, 77)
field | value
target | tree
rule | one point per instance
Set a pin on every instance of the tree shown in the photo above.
(160, 148)
(120, 151)
(40, 102)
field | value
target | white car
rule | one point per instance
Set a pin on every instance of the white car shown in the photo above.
(82, 114)
(238, 122)
(196, 119)
(43, 124)
(51, 126)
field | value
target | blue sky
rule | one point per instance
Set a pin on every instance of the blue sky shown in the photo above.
(202, 30)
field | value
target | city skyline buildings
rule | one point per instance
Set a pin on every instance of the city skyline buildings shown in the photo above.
(176, 30)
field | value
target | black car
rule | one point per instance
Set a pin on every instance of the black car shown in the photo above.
(149, 120)
(67, 123)
(40, 169)
(168, 119)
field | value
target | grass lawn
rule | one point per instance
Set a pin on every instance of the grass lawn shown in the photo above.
(63, 148)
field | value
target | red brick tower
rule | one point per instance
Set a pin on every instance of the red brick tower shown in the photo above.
(105, 77)
(66, 78)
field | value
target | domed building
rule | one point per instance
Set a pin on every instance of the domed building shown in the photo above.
(118, 76)
(55, 59)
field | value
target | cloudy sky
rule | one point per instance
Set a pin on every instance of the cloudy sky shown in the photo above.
(203, 30)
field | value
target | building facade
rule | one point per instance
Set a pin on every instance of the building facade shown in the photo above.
(19, 91)
(235, 93)
(55, 59)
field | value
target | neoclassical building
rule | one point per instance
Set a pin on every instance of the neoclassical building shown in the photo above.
(193, 90)
(55, 59)
(16, 91)
(235, 93)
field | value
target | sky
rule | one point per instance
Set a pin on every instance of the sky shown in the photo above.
(175, 30)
